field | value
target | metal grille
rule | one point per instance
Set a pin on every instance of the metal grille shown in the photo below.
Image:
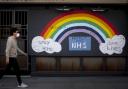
(15, 18)
(5, 23)
(21, 19)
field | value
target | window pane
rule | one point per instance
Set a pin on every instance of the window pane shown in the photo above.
(45, 64)
(115, 64)
(92, 64)
(70, 64)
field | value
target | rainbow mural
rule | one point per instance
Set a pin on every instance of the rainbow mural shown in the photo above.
(78, 21)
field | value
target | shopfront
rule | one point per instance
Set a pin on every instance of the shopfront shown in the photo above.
(68, 40)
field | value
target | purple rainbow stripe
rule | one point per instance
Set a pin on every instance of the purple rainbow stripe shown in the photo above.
(78, 31)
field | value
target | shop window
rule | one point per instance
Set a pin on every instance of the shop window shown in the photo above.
(45, 64)
(92, 64)
(115, 64)
(23, 62)
(2, 62)
(70, 64)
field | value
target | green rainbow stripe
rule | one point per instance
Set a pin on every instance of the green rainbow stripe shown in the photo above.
(80, 21)
(62, 22)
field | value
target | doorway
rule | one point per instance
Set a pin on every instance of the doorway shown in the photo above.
(15, 18)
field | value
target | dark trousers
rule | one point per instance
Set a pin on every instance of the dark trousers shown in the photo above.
(13, 64)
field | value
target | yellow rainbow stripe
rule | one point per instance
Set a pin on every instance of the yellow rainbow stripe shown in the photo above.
(78, 16)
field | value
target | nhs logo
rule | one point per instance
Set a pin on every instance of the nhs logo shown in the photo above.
(79, 43)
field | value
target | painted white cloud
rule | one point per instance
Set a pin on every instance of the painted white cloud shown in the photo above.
(39, 44)
(113, 45)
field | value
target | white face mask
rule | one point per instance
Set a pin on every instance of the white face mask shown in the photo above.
(18, 35)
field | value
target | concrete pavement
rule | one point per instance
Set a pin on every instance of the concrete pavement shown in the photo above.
(87, 82)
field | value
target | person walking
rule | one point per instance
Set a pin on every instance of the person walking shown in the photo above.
(11, 56)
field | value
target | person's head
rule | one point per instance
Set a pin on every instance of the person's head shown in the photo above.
(15, 32)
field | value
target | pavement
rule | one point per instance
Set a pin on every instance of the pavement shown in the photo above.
(87, 82)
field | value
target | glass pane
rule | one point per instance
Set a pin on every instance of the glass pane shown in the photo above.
(70, 64)
(23, 62)
(115, 64)
(92, 64)
(45, 64)
(2, 62)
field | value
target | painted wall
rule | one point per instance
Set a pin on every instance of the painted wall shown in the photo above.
(39, 16)
(43, 23)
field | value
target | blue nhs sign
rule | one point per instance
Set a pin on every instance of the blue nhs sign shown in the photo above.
(79, 43)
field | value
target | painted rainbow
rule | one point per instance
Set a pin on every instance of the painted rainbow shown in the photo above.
(79, 21)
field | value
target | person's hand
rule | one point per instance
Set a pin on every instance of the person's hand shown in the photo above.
(7, 60)
(25, 54)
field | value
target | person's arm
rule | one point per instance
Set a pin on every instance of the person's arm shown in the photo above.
(21, 51)
(8, 47)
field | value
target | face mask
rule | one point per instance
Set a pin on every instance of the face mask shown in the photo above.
(18, 35)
